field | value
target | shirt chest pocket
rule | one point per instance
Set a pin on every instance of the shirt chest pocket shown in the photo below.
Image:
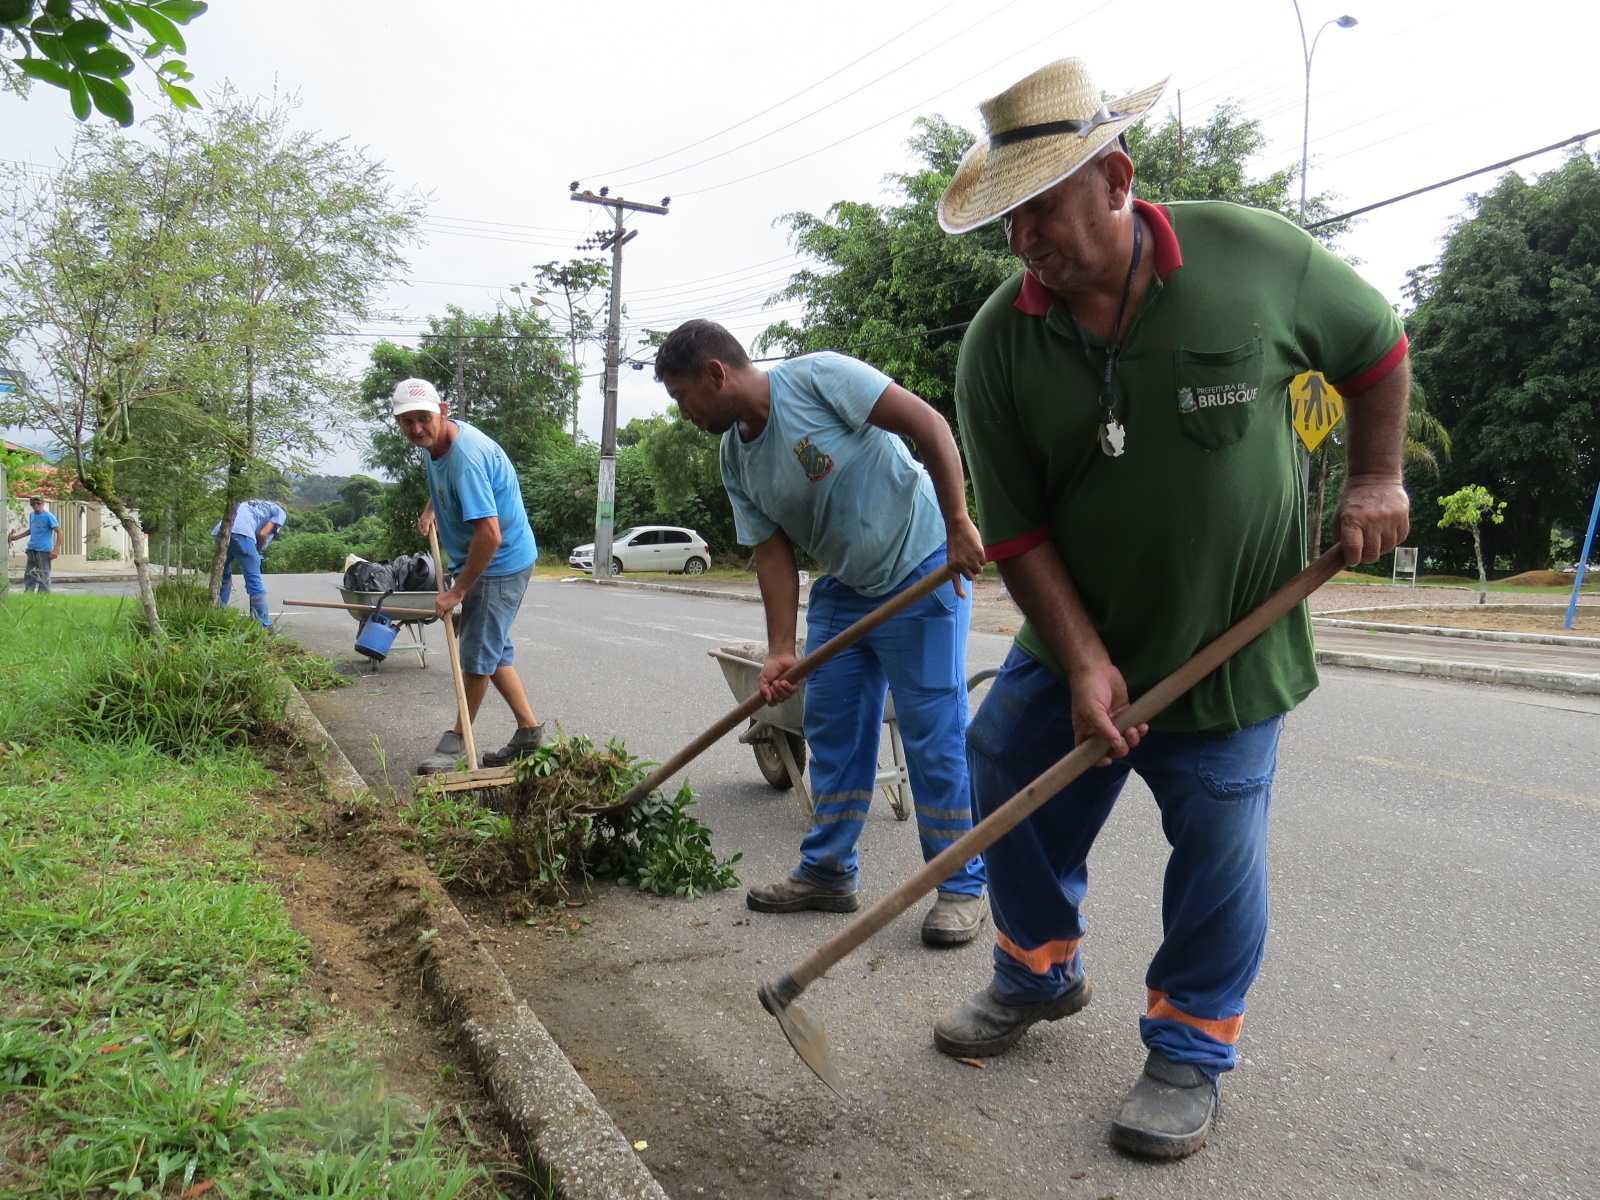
(1219, 392)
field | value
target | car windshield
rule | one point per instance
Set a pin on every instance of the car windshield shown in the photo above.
(628, 532)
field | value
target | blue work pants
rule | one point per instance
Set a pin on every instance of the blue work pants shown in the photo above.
(1213, 791)
(921, 655)
(242, 551)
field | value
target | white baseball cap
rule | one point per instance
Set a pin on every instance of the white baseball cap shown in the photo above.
(414, 395)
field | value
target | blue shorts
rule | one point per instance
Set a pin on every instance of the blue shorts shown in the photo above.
(484, 631)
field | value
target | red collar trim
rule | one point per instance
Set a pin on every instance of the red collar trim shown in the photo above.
(1034, 298)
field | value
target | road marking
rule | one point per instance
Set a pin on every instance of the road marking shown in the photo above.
(1440, 773)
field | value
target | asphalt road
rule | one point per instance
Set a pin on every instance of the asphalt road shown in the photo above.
(1424, 1024)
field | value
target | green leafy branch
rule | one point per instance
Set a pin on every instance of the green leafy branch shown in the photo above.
(88, 48)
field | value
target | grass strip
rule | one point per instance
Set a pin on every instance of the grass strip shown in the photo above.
(154, 1041)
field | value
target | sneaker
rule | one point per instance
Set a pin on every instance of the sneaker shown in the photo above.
(954, 919)
(522, 745)
(446, 756)
(989, 1024)
(1169, 1112)
(795, 894)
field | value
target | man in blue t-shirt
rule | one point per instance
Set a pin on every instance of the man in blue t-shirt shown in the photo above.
(475, 502)
(810, 458)
(44, 536)
(255, 524)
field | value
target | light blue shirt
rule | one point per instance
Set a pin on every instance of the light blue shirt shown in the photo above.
(251, 516)
(42, 530)
(846, 491)
(474, 480)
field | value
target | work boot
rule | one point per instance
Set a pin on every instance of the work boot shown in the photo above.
(446, 756)
(795, 894)
(522, 745)
(954, 919)
(1169, 1112)
(989, 1024)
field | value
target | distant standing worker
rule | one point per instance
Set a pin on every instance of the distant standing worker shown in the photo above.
(809, 457)
(255, 524)
(475, 502)
(44, 540)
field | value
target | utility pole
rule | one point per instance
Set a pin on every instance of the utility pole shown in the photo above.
(605, 505)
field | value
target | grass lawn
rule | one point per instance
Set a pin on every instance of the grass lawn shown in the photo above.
(155, 1037)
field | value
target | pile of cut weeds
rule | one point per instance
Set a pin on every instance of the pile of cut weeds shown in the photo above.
(538, 840)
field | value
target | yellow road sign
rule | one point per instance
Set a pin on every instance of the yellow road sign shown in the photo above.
(1318, 407)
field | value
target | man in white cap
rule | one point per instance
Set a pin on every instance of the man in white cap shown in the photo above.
(476, 502)
(1124, 406)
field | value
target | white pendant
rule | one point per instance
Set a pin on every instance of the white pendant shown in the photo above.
(1113, 438)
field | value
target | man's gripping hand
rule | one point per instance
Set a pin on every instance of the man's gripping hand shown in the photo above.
(1374, 517)
(1099, 696)
(964, 549)
(773, 689)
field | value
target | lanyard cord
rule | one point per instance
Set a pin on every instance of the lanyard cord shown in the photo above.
(1106, 395)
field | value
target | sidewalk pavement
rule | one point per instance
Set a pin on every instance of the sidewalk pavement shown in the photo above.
(1549, 663)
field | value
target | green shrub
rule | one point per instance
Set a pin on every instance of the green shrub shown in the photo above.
(104, 554)
(302, 552)
(191, 693)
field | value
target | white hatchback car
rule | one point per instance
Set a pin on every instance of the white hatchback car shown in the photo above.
(650, 548)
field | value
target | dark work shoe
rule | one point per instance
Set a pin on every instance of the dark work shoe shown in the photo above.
(446, 756)
(522, 745)
(795, 895)
(989, 1024)
(954, 919)
(1169, 1112)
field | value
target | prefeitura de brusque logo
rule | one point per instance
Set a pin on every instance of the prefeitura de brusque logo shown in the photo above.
(814, 462)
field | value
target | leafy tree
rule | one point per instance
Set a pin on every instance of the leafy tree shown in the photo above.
(1468, 509)
(504, 372)
(685, 479)
(88, 48)
(576, 292)
(177, 298)
(359, 496)
(1503, 338)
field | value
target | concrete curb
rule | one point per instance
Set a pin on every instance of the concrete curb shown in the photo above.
(673, 587)
(538, 1091)
(1550, 681)
(1476, 635)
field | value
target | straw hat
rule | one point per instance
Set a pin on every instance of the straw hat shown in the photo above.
(1040, 131)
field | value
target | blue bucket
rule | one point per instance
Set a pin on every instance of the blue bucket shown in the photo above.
(377, 632)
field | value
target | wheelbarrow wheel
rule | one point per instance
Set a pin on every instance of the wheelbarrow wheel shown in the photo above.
(771, 762)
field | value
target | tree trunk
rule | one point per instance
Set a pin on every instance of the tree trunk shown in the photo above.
(141, 560)
(1322, 492)
(1483, 576)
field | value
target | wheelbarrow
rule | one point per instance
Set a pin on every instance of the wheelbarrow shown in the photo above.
(776, 734)
(411, 626)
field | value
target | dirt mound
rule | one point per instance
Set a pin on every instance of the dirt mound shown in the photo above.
(1538, 579)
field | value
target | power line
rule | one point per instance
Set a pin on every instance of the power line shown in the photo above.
(808, 88)
(1031, 48)
(840, 100)
(1356, 212)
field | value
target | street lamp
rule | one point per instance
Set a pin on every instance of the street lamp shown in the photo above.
(1344, 22)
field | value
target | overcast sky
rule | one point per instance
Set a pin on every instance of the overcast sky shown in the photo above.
(750, 111)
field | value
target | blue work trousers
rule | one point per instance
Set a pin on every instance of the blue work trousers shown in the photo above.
(243, 553)
(922, 655)
(1213, 791)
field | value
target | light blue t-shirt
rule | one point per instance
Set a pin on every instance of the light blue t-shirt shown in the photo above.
(474, 480)
(251, 516)
(846, 491)
(42, 530)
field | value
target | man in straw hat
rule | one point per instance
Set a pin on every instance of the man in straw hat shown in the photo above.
(1124, 404)
(810, 458)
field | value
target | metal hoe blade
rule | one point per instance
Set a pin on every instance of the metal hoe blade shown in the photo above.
(807, 1037)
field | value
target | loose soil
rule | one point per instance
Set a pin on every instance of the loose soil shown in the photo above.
(361, 901)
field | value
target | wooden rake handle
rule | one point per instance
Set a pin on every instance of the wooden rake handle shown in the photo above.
(463, 710)
(1015, 810)
(891, 608)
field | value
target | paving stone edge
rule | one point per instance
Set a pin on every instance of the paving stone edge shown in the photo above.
(1550, 681)
(530, 1079)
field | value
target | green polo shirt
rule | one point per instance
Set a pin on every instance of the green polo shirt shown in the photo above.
(1202, 517)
